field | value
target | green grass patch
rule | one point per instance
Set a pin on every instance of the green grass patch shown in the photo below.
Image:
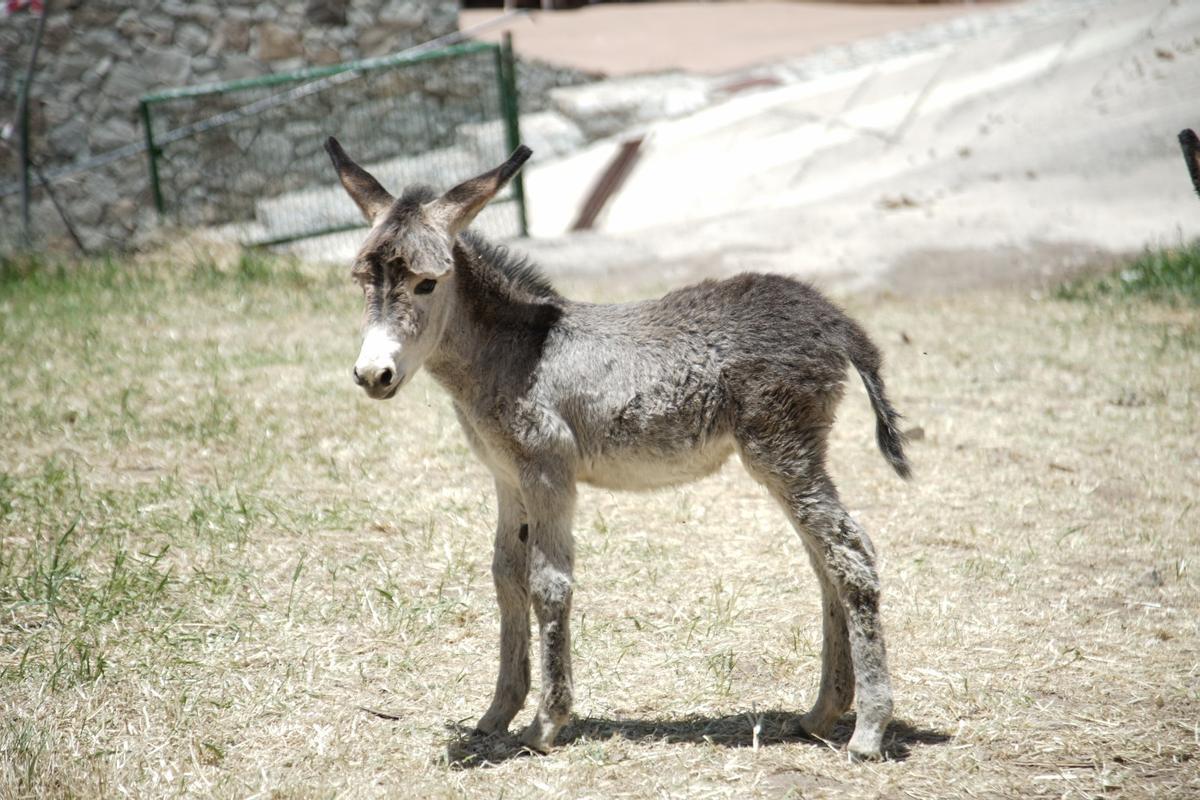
(1170, 275)
(27, 276)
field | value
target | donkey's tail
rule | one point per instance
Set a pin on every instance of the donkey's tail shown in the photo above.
(867, 361)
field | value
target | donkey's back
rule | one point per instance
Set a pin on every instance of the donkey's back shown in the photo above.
(662, 391)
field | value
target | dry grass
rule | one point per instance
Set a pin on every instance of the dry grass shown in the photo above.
(224, 572)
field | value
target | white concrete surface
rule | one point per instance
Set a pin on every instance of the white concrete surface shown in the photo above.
(1032, 148)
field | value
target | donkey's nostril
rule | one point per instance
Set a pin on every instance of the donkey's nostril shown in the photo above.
(357, 378)
(385, 377)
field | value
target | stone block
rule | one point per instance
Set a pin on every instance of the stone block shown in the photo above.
(132, 25)
(288, 64)
(70, 139)
(276, 42)
(402, 14)
(323, 55)
(98, 192)
(163, 27)
(193, 38)
(94, 76)
(249, 183)
(326, 12)
(58, 112)
(57, 33)
(88, 16)
(165, 67)
(112, 133)
(68, 68)
(232, 36)
(127, 80)
(102, 42)
(236, 65)
(123, 214)
(202, 66)
(206, 13)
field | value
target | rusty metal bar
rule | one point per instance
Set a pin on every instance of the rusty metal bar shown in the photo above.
(610, 183)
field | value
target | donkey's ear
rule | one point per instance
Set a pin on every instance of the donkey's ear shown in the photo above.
(454, 210)
(371, 198)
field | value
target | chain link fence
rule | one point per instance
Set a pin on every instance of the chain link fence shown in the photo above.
(247, 156)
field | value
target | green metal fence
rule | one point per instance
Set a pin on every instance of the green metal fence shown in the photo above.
(247, 156)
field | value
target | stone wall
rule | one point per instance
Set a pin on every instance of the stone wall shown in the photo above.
(100, 56)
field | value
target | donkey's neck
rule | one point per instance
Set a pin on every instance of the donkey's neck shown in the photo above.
(493, 340)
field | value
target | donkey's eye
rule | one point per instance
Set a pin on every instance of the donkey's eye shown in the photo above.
(425, 286)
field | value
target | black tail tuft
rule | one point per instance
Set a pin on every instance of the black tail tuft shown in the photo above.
(1191, 155)
(887, 432)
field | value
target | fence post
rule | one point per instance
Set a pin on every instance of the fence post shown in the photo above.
(152, 153)
(23, 160)
(507, 68)
(23, 157)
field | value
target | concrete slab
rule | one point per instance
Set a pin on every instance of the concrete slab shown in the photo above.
(1035, 147)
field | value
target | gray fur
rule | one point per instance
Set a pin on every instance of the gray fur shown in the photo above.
(551, 392)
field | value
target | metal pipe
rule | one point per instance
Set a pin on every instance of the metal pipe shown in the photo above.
(23, 125)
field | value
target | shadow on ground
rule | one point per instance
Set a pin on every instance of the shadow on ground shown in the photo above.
(468, 749)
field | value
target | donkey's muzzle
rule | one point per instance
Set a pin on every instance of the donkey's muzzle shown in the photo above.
(379, 382)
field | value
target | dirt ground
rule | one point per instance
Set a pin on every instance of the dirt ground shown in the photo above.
(631, 38)
(224, 572)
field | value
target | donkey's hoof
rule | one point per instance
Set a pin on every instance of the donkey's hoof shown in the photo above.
(536, 738)
(816, 726)
(859, 752)
(863, 756)
(489, 725)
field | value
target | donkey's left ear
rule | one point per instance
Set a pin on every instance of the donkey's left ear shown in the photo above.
(454, 210)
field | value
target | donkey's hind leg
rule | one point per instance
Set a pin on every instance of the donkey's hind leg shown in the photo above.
(854, 660)
(841, 551)
(836, 694)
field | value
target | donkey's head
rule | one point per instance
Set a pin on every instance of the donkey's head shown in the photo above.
(406, 266)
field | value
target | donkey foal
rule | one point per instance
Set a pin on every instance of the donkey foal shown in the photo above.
(551, 392)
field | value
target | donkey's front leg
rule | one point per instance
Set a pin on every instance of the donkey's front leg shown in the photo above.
(549, 503)
(510, 572)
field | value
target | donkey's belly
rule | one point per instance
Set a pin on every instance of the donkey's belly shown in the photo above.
(637, 469)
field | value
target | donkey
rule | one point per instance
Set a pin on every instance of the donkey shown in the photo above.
(550, 392)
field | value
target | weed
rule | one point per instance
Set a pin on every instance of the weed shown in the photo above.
(1170, 275)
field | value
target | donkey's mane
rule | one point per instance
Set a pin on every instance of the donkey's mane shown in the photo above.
(517, 271)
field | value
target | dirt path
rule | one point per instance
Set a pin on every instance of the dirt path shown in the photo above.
(627, 39)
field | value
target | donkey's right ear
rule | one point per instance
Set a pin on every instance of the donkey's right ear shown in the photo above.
(371, 198)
